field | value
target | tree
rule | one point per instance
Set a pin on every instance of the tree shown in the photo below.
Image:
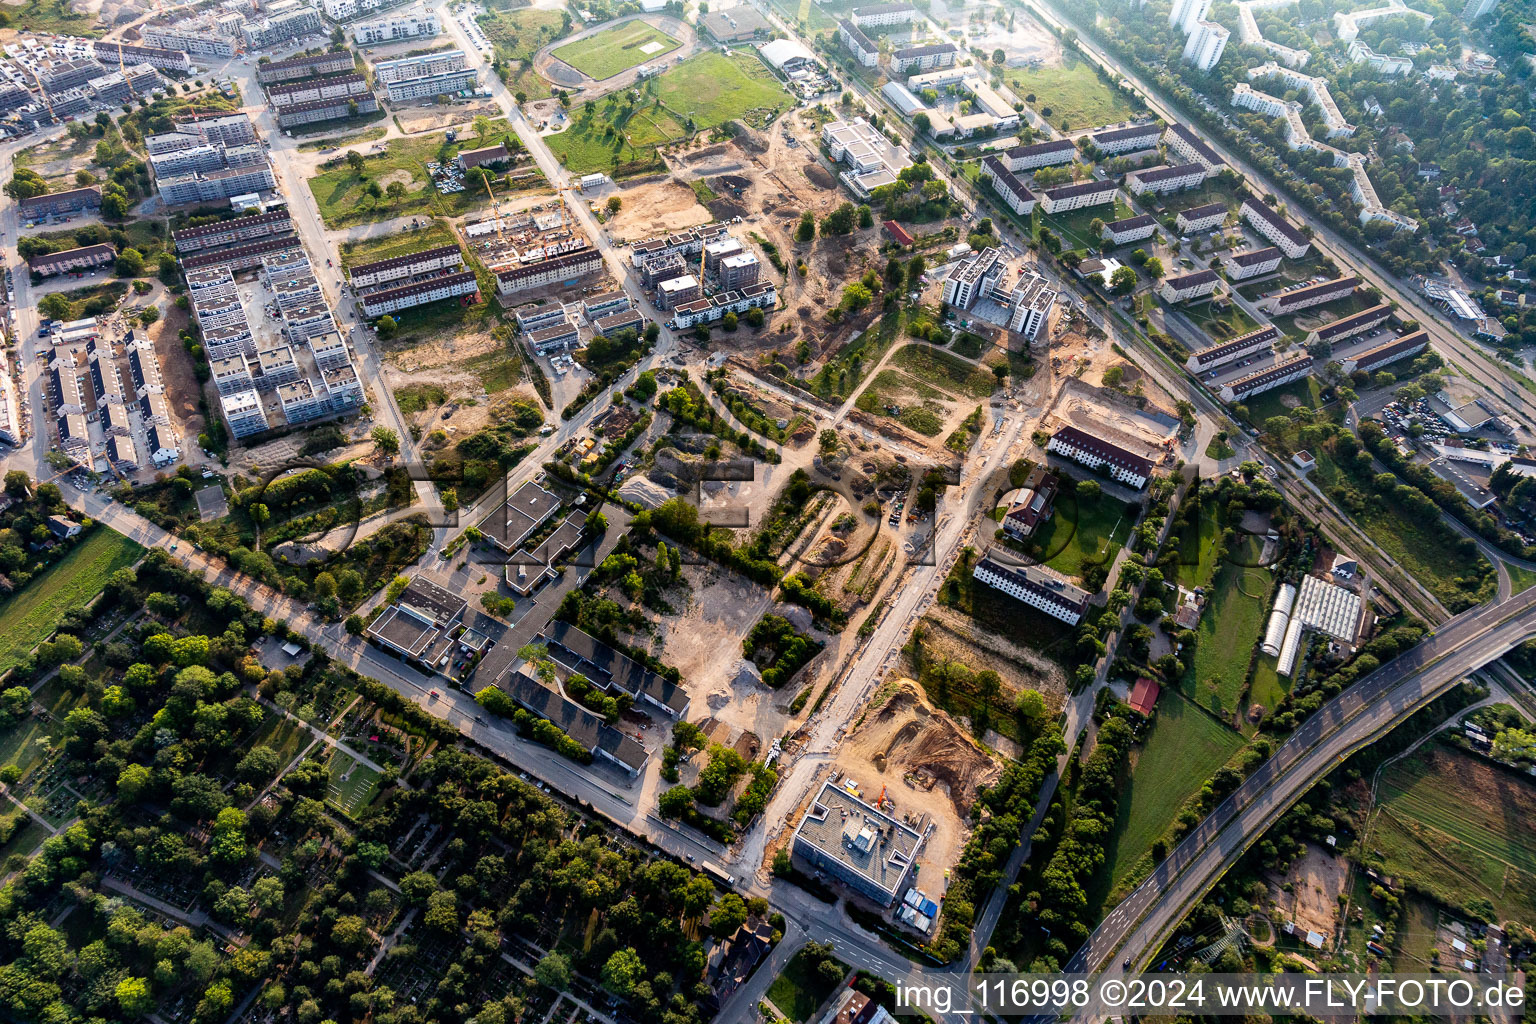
(866, 217)
(229, 836)
(1153, 267)
(17, 483)
(26, 184)
(614, 205)
(133, 996)
(258, 765)
(553, 971)
(675, 802)
(623, 972)
(355, 161)
(922, 123)
(386, 327)
(999, 57)
(149, 315)
(1122, 281)
(386, 440)
(395, 190)
(55, 306)
(130, 263)
(807, 229)
(827, 441)
(729, 914)
(482, 127)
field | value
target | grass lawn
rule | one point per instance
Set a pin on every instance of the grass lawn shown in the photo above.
(1219, 449)
(1268, 686)
(1519, 578)
(517, 36)
(1308, 391)
(1197, 551)
(945, 371)
(1072, 95)
(1220, 324)
(616, 49)
(94, 299)
(340, 191)
(1084, 533)
(283, 735)
(1232, 623)
(926, 416)
(842, 374)
(31, 615)
(1184, 748)
(29, 835)
(1073, 227)
(995, 612)
(352, 783)
(56, 16)
(1460, 827)
(368, 250)
(1424, 549)
(708, 90)
(799, 990)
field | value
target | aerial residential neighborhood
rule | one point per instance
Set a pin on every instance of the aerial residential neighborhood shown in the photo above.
(671, 512)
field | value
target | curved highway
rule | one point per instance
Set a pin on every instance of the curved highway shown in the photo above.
(1142, 922)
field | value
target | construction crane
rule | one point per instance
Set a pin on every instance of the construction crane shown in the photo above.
(495, 207)
(123, 70)
(44, 92)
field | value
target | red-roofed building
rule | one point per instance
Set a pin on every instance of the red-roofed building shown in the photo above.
(1144, 696)
(897, 233)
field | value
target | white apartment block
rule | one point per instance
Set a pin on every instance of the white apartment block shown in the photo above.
(1030, 304)
(761, 295)
(197, 41)
(1186, 14)
(1131, 229)
(243, 413)
(1217, 356)
(1201, 218)
(976, 277)
(446, 286)
(435, 85)
(1041, 154)
(415, 25)
(861, 46)
(1380, 62)
(1206, 45)
(1475, 9)
(1276, 228)
(1066, 198)
(923, 58)
(421, 66)
(280, 28)
(1248, 31)
(1351, 325)
(1036, 586)
(1189, 286)
(1316, 90)
(562, 270)
(1348, 25)
(882, 15)
(1183, 142)
(1371, 209)
(1306, 296)
(1240, 266)
(1163, 180)
(1257, 383)
(1101, 454)
(398, 268)
(231, 375)
(1126, 140)
(1013, 192)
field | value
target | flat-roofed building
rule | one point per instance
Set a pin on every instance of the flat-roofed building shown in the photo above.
(231, 374)
(613, 323)
(419, 293)
(245, 256)
(445, 84)
(857, 845)
(554, 338)
(1035, 585)
(1260, 381)
(1240, 266)
(1308, 295)
(976, 277)
(278, 366)
(329, 350)
(123, 55)
(423, 65)
(1216, 356)
(343, 387)
(676, 291)
(1126, 140)
(718, 250)
(1065, 198)
(562, 271)
(529, 507)
(1131, 229)
(243, 413)
(604, 304)
(415, 623)
(739, 270)
(410, 25)
(539, 315)
(1189, 286)
(1104, 454)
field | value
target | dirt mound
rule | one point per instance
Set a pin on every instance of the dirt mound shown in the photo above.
(748, 138)
(725, 209)
(910, 738)
(819, 176)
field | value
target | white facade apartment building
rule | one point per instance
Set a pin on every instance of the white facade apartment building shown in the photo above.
(1183, 142)
(1257, 383)
(415, 25)
(1066, 198)
(1351, 325)
(1276, 228)
(390, 300)
(1380, 62)
(923, 58)
(1106, 456)
(231, 374)
(861, 46)
(1030, 304)
(301, 401)
(1347, 25)
(1217, 356)
(1186, 14)
(1316, 90)
(1041, 154)
(398, 268)
(197, 41)
(1189, 286)
(881, 15)
(328, 88)
(1131, 229)
(761, 295)
(1126, 140)
(1036, 586)
(1201, 218)
(1308, 295)
(422, 65)
(1206, 45)
(243, 413)
(1013, 192)
(1163, 180)
(434, 85)
(278, 366)
(300, 21)
(1240, 266)
(562, 270)
(1391, 352)
(975, 278)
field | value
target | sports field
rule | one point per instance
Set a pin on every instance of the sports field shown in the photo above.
(703, 92)
(1184, 748)
(30, 616)
(616, 49)
(1461, 828)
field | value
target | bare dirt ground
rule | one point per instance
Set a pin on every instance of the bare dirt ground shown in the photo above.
(423, 119)
(182, 391)
(953, 636)
(1087, 405)
(1316, 879)
(657, 209)
(925, 762)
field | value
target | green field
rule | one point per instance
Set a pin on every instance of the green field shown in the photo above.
(1280, 401)
(30, 616)
(1233, 620)
(433, 235)
(1268, 686)
(1074, 228)
(1084, 533)
(56, 16)
(945, 371)
(516, 37)
(1220, 324)
(284, 735)
(352, 783)
(707, 90)
(799, 990)
(892, 389)
(616, 49)
(1460, 827)
(1520, 578)
(341, 193)
(842, 374)
(19, 745)
(1183, 749)
(1197, 551)
(1073, 93)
